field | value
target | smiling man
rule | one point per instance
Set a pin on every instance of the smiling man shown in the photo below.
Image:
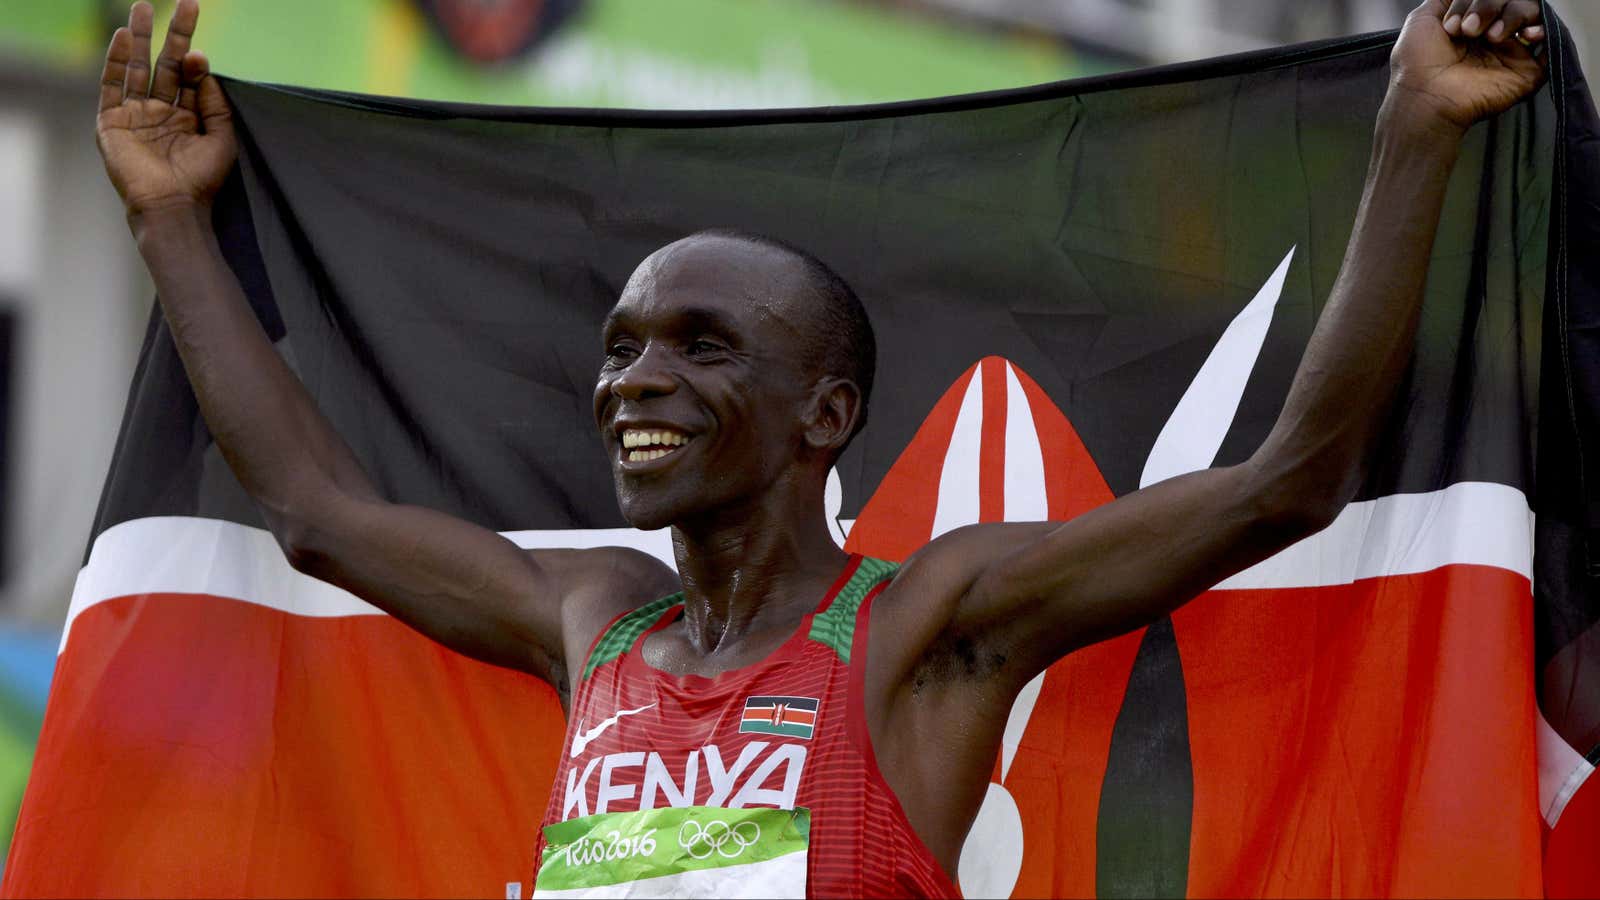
(777, 717)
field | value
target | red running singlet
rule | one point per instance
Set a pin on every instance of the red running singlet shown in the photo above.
(714, 759)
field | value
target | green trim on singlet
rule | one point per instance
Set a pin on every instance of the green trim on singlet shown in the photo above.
(619, 638)
(836, 626)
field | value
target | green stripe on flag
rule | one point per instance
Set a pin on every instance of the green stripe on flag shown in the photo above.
(788, 729)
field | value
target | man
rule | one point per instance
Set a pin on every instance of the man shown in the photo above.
(777, 717)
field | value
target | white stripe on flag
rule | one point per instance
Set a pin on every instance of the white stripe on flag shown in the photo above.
(188, 555)
(958, 501)
(1189, 441)
(1471, 522)
(1562, 770)
(1479, 523)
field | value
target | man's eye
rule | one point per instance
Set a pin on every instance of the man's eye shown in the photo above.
(701, 348)
(621, 351)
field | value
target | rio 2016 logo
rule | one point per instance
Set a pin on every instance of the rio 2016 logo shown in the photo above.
(586, 851)
(715, 836)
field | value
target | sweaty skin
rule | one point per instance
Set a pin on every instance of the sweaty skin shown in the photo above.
(701, 348)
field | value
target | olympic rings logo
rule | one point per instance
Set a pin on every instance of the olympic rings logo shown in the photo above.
(716, 836)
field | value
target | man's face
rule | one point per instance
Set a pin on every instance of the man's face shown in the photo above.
(704, 386)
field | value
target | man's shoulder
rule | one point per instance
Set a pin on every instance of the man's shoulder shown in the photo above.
(597, 585)
(627, 577)
(933, 609)
(945, 568)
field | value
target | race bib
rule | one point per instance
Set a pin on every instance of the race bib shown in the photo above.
(689, 851)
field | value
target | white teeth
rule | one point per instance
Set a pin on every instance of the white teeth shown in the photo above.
(634, 437)
(647, 455)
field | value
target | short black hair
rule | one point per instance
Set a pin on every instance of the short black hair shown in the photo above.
(840, 339)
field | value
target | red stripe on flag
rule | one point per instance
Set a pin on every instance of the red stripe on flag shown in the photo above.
(1058, 771)
(423, 771)
(1571, 862)
(1367, 739)
(792, 716)
(1395, 712)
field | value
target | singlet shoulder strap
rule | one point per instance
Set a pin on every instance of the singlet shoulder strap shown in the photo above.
(835, 626)
(619, 636)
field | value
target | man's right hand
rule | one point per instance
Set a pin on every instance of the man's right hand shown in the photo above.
(166, 141)
(168, 144)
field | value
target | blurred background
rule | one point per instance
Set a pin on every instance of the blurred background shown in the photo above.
(74, 299)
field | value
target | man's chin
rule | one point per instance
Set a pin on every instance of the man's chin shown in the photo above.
(647, 522)
(645, 515)
(650, 507)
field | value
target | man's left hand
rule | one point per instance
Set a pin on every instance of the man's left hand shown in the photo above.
(1465, 60)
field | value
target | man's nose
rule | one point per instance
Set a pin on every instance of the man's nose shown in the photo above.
(645, 377)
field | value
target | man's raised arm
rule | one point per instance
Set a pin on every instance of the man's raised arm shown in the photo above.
(168, 143)
(1030, 593)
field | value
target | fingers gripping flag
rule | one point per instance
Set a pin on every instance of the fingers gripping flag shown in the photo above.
(1078, 289)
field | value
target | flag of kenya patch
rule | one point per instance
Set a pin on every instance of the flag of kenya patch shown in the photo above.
(788, 716)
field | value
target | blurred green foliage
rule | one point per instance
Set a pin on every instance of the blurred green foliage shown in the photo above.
(687, 53)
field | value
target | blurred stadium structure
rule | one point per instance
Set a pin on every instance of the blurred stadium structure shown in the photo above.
(74, 300)
(1161, 31)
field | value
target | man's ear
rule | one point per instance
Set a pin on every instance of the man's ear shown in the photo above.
(834, 409)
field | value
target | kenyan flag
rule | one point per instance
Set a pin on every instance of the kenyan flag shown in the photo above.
(788, 716)
(1078, 289)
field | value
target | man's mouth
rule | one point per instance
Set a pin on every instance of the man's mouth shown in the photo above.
(646, 444)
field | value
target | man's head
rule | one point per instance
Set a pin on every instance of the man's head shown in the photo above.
(733, 362)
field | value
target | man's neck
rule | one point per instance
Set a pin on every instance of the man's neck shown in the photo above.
(750, 569)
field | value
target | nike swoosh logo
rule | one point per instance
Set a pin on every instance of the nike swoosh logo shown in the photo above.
(582, 738)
